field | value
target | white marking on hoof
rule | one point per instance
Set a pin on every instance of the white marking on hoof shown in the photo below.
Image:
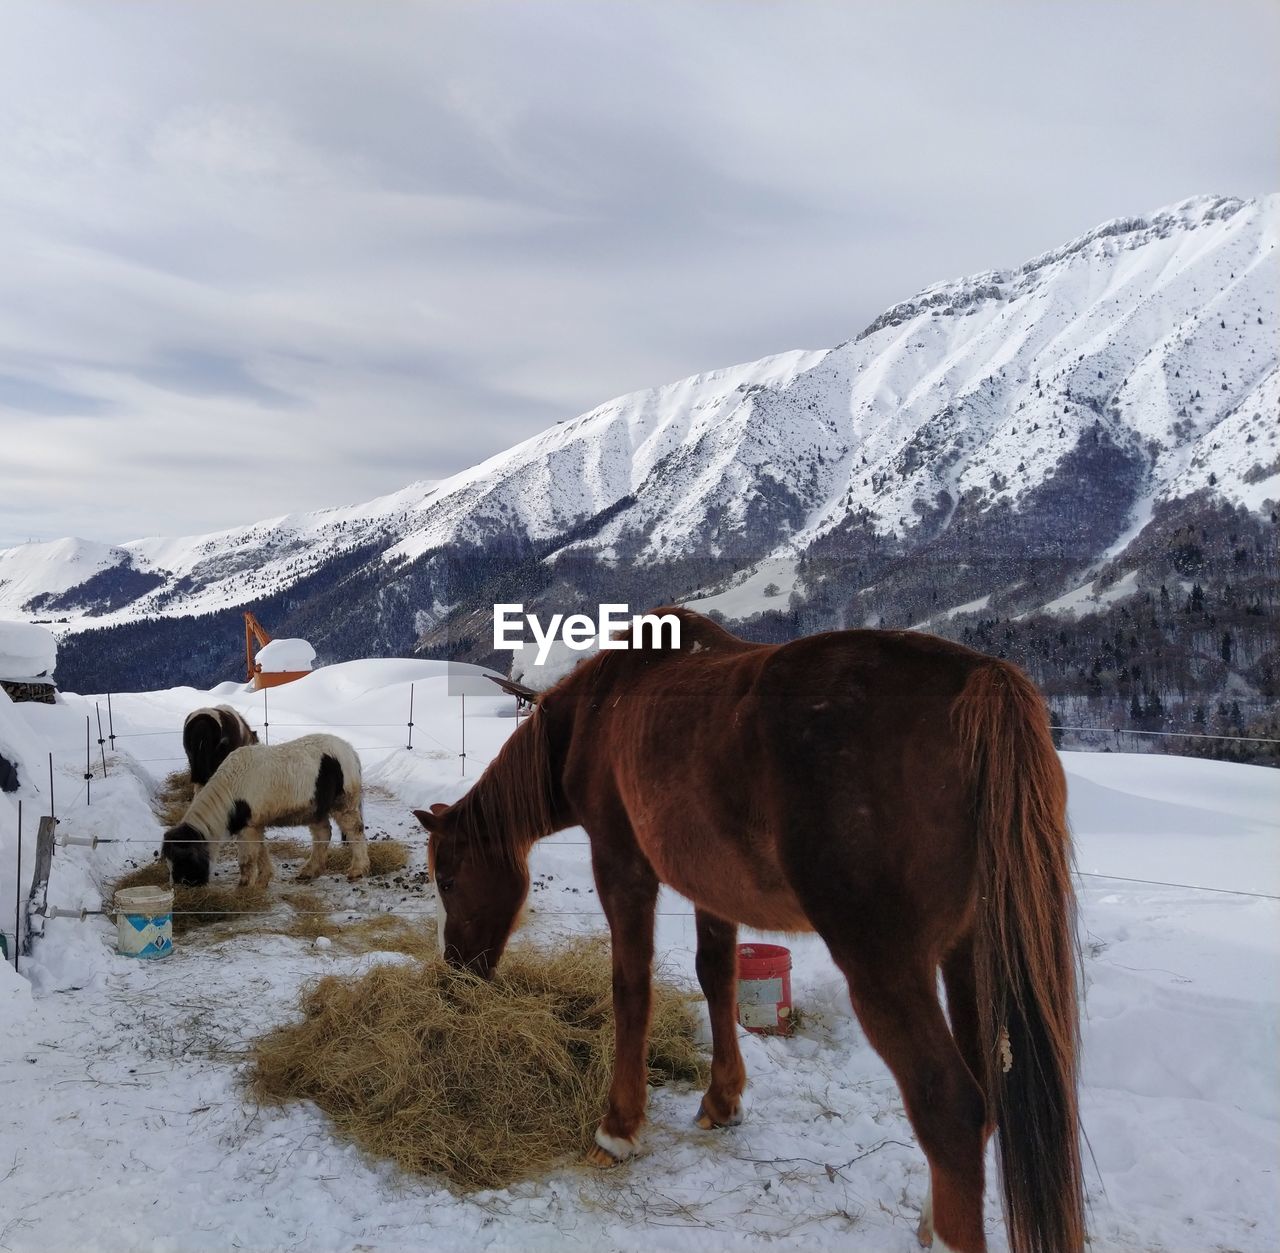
(619, 1149)
(704, 1120)
(924, 1229)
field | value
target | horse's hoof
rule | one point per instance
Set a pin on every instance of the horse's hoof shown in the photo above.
(305, 876)
(357, 874)
(708, 1123)
(609, 1150)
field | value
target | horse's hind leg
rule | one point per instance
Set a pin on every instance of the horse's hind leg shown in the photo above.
(717, 966)
(962, 1012)
(959, 978)
(315, 864)
(904, 1022)
(350, 822)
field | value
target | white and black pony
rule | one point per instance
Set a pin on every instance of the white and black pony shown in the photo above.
(304, 782)
(209, 735)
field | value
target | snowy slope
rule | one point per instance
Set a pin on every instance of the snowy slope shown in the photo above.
(30, 569)
(127, 1075)
(1156, 336)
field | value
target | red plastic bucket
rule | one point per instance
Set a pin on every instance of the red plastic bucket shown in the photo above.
(764, 988)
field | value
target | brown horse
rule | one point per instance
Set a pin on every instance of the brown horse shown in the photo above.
(895, 793)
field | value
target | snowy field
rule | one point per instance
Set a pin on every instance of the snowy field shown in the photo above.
(125, 1125)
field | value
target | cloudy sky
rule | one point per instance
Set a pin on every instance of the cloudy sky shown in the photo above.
(272, 256)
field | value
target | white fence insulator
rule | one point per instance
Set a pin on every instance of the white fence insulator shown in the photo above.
(78, 841)
(54, 911)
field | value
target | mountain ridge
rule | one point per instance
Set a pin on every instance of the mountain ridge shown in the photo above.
(1007, 435)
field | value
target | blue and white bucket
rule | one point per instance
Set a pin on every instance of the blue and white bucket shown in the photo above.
(144, 922)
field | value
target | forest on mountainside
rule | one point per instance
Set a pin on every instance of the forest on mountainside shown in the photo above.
(1188, 645)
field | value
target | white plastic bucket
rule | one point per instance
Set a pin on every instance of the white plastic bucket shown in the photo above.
(144, 922)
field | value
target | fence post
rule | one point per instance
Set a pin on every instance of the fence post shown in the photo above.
(111, 724)
(88, 769)
(51, 810)
(464, 735)
(411, 716)
(17, 896)
(266, 719)
(101, 741)
(40, 880)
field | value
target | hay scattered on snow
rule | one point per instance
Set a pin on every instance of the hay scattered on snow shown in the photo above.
(202, 907)
(482, 1082)
(383, 933)
(385, 857)
(195, 907)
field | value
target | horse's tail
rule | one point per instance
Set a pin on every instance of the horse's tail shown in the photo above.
(1026, 957)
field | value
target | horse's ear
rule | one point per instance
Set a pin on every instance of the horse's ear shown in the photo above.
(430, 818)
(518, 690)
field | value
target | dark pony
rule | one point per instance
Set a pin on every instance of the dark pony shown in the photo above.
(895, 793)
(210, 736)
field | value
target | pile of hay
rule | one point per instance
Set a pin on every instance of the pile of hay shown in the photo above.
(482, 1082)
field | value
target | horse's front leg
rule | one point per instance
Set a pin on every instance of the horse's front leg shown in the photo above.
(717, 965)
(628, 892)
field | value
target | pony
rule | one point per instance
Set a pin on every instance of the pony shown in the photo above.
(208, 736)
(303, 782)
(897, 794)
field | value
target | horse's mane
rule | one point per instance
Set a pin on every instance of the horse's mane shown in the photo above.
(511, 804)
(513, 801)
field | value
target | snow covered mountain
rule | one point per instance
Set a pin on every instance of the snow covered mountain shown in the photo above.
(998, 442)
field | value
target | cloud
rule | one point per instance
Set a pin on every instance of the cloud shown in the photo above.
(263, 257)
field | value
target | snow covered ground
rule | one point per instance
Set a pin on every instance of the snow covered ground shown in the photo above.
(125, 1125)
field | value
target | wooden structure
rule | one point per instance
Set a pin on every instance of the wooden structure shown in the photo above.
(38, 897)
(40, 690)
(256, 636)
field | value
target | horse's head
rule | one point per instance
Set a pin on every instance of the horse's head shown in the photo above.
(479, 891)
(187, 852)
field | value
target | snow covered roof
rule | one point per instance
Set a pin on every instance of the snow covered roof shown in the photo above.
(27, 651)
(285, 655)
